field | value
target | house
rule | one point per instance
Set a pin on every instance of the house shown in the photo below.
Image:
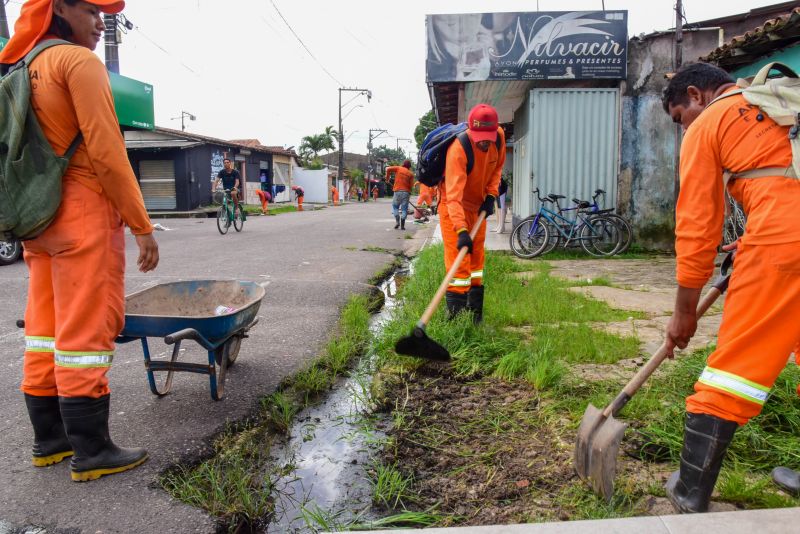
(176, 169)
(581, 106)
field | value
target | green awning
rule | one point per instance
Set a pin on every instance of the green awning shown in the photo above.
(132, 98)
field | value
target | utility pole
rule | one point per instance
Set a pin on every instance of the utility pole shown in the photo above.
(340, 173)
(112, 44)
(369, 147)
(397, 148)
(678, 60)
(3, 20)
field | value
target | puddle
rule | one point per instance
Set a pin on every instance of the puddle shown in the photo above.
(331, 446)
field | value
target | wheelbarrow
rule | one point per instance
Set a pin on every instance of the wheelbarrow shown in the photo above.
(217, 314)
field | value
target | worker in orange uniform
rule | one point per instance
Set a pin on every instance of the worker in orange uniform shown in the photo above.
(462, 197)
(759, 327)
(335, 195)
(76, 301)
(264, 197)
(299, 193)
(403, 179)
(426, 194)
(375, 192)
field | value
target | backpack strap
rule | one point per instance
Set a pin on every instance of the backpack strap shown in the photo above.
(463, 138)
(73, 146)
(766, 172)
(763, 74)
(38, 49)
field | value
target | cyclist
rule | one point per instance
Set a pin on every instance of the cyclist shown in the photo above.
(230, 179)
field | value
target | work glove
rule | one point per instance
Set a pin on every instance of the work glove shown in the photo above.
(464, 240)
(488, 205)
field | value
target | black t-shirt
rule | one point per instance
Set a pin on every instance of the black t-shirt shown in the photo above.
(229, 178)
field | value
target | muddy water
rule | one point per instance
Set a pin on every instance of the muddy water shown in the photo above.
(331, 446)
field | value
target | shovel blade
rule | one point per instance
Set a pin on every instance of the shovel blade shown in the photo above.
(419, 345)
(596, 450)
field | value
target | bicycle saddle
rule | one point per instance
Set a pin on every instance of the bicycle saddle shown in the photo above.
(599, 192)
(555, 197)
(582, 203)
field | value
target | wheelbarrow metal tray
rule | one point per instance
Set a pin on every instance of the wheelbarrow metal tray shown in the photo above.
(167, 308)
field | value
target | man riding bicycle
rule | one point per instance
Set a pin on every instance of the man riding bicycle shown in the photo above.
(230, 178)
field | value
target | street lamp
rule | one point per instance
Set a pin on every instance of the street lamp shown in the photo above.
(397, 148)
(366, 92)
(184, 114)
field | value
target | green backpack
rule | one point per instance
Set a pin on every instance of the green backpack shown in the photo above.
(30, 171)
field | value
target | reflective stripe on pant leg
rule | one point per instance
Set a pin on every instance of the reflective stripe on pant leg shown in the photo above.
(462, 280)
(38, 372)
(88, 282)
(478, 256)
(756, 335)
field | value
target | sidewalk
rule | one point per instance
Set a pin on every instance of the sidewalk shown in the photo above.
(494, 241)
(776, 521)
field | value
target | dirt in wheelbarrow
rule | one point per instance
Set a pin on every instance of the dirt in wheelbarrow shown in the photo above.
(488, 451)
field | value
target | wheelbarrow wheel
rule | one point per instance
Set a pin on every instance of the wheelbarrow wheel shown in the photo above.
(232, 346)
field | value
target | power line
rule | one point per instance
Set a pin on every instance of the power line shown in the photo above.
(332, 77)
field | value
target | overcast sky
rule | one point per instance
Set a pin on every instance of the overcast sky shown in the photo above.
(236, 65)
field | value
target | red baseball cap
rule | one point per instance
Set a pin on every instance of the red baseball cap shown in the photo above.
(482, 123)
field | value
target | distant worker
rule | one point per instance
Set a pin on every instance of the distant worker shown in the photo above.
(375, 192)
(76, 267)
(230, 178)
(360, 194)
(462, 197)
(760, 324)
(265, 198)
(335, 195)
(298, 194)
(501, 203)
(403, 179)
(426, 195)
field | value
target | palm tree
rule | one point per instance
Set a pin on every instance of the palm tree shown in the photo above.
(312, 145)
(332, 136)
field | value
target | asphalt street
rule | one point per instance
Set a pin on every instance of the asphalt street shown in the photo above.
(311, 262)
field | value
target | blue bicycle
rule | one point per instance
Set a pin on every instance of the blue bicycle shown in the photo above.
(598, 234)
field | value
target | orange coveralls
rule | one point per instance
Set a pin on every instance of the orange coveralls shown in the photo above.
(760, 323)
(335, 195)
(403, 178)
(76, 301)
(262, 196)
(425, 194)
(460, 197)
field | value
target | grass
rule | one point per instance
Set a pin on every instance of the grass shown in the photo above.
(234, 484)
(254, 209)
(390, 487)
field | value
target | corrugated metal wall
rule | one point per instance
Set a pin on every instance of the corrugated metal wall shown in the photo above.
(574, 143)
(157, 180)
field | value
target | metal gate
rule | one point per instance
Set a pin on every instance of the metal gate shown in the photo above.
(574, 143)
(157, 180)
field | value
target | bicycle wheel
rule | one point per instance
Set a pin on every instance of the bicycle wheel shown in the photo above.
(600, 236)
(238, 219)
(529, 238)
(625, 231)
(554, 237)
(222, 220)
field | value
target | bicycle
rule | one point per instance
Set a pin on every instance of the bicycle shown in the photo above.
(626, 231)
(228, 214)
(598, 235)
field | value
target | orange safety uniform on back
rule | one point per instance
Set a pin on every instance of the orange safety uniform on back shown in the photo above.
(403, 178)
(76, 299)
(335, 195)
(460, 198)
(760, 326)
(425, 194)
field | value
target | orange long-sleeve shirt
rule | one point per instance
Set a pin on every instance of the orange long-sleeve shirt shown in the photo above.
(728, 135)
(462, 192)
(71, 92)
(403, 178)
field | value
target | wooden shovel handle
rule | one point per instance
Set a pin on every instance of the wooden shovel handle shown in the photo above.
(655, 360)
(437, 298)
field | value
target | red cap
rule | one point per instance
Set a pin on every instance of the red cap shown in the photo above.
(482, 123)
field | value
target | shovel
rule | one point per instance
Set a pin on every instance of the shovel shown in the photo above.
(418, 344)
(600, 435)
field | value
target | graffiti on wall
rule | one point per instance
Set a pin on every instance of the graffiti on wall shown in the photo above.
(216, 164)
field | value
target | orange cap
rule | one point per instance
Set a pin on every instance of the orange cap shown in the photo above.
(33, 23)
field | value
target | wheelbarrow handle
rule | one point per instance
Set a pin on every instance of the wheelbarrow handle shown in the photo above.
(630, 389)
(189, 333)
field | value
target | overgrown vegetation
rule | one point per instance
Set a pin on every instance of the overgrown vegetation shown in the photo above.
(489, 437)
(236, 483)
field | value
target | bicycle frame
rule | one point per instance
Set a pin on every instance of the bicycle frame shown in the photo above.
(558, 221)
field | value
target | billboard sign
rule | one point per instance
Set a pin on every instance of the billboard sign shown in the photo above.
(133, 101)
(545, 45)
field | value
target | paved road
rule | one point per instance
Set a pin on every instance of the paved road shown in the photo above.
(312, 260)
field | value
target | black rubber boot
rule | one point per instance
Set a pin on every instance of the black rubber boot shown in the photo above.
(50, 443)
(396, 222)
(403, 223)
(705, 442)
(787, 479)
(86, 423)
(475, 303)
(456, 303)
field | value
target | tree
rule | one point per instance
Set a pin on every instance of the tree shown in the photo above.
(312, 145)
(394, 156)
(332, 136)
(427, 123)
